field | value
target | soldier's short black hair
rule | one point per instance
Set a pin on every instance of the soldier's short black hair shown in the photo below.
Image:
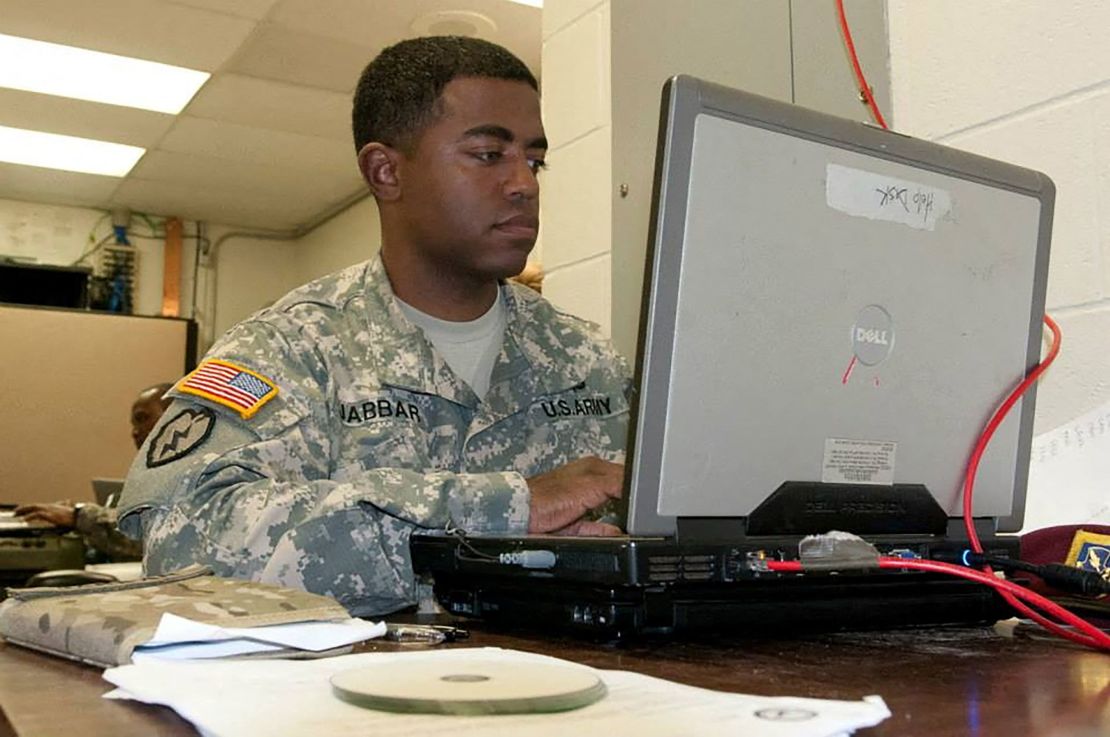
(398, 92)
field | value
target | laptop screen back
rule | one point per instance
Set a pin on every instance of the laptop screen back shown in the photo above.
(107, 491)
(829, 303)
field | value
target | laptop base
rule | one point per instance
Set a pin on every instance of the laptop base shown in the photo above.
(634, 587)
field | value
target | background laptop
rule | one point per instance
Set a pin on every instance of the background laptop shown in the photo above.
(107, 491)
(831, 314)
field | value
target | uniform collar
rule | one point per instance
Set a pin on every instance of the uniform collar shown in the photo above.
(541, 338)
(533, 345)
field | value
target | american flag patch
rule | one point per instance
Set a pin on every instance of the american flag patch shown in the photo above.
(232, 386)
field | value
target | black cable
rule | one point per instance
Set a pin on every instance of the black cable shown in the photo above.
(1056, 575)
(460, 535)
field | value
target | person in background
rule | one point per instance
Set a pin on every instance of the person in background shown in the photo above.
(95, 523)
(418, 390)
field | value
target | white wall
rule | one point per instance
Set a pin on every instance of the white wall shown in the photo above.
(1029, 83)
(348, 238)
(253, 272)
(576, 197)
(246, 275)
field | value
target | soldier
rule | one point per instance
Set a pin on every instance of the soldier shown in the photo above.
(97, 524)
(413, 391)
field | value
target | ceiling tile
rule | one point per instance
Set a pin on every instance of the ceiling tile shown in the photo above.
(34, 184)
(237, 143)
(230, 206)
(266, 142)
(375, 24)
(172, 34)
(255, 9)
(295, 56)
(368, 23)
(278, 106)
(204, 171)
(70, 117)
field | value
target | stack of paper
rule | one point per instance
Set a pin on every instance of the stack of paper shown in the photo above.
(287, 698)
(178, 638)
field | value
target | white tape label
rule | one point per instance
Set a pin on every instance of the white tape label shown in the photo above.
(879, 197)
(858, 462)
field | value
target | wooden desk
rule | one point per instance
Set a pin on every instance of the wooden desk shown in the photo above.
(936, 682)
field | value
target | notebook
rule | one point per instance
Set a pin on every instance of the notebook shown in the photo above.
(831, 314)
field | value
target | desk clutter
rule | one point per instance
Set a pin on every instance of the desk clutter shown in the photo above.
(27, 548)
(287, 698)
(112, 623)
(190, 640)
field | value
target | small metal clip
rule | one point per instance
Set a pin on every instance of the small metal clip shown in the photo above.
(414, 634)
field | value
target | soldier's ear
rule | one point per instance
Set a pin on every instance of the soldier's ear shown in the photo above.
(380, 167)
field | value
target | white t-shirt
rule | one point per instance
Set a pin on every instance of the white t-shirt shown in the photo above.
(470, 348)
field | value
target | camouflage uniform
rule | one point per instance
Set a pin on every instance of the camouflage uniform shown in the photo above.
(370, 436)
(97, 527)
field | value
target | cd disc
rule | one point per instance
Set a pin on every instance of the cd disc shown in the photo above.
(470, 686)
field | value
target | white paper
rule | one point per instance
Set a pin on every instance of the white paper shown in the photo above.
(286, 698)
(178, 638)
(858, 461)
(1069, 473)
(130, 571)
(877, 196)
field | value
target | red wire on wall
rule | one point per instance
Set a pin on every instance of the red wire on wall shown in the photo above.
(864, 88)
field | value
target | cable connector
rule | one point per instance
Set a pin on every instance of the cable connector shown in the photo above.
(836, 550)
(1077, 580)
(1056, 575)
(528, 559)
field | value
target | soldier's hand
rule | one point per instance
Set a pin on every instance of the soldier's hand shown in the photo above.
(59, 515)
(562, 496)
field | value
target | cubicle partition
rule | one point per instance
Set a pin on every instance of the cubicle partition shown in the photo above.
(67, 380)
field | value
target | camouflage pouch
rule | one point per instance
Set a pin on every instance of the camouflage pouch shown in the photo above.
(101, 624)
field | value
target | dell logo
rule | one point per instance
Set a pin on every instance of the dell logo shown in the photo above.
(875, 337)
(872, 335)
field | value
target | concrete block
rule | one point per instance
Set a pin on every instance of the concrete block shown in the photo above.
(575, 82)
(577, 202)
(583, 289)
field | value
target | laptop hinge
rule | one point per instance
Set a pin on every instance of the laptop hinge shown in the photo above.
(813, 508)
(985, 528)
(710, 529)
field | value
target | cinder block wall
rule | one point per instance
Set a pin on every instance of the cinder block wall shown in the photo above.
(1029, 83)
(577, 188)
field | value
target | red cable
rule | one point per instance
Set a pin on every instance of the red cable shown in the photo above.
(973, 467)
(996, 420)
(992, 426)
(1092, 636)
(864, 88)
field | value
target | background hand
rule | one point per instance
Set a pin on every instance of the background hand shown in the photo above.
(60, 515)
(562, 496)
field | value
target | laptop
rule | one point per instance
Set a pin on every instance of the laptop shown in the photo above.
(831, 314)
(107, 491)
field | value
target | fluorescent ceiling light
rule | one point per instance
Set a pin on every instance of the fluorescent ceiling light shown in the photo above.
(533, 3)
(52, 151)
(67, 71)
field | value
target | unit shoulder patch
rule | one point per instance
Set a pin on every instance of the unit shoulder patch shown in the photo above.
(180, 436)
(1091, 552)
(229, 385)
